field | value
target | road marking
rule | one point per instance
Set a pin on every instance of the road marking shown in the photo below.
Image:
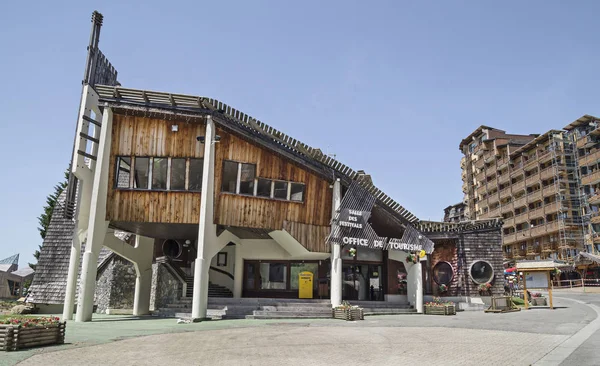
(564, 350)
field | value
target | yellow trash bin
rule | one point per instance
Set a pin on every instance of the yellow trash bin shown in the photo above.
(305, 285)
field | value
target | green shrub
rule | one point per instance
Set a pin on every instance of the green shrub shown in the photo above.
(518, 301)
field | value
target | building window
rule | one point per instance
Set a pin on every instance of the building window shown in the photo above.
(195, 176)
(229, 177)
(263, 188)
(140, 178)
(297, 192)
(178, 174)
(123, 171)
(273, 276)
(159, 173)
(482, 272)
(443, 273)
(297, 268)
(247, 175)
(280, 190)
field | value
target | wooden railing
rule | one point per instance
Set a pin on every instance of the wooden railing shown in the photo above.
(591, 178)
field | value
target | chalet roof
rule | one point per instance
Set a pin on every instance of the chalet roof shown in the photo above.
(467, 140)
(50, 278)
(585, 257)
(116, 96)
(23, 272)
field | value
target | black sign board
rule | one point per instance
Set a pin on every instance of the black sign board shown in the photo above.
(350, 226)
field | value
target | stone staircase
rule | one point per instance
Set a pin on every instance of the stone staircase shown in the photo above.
(213, 289)
(263, 308)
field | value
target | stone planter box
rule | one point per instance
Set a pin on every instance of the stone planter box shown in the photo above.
(440, 310)
(17, 337)
(348, 314)
(539, 301)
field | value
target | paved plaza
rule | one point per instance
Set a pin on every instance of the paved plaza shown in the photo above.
(567, 335)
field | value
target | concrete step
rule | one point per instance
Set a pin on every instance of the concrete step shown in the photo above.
(287, 315)
(299, 309)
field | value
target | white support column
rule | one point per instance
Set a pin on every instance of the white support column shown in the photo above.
(336, 250)
(143, 282)
(206, 227)
(238, 272)
(72, 278)
(97, 226)
(415, 286)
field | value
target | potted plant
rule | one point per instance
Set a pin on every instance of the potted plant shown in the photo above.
(352, 252)
(443, 288)
(348, 312)
(537, 299)
(484, 288)
(439, 307)
(412, 258)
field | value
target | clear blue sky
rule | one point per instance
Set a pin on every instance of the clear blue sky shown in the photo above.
(389, 87)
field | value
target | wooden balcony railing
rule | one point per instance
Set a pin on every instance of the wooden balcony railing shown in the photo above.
(549, 247)
(537, 212)
(509, 222)
(509, 238)
(521, 218)
(551, 226)
(479, 163)
(481, 190)
(547, 173)
(463, 162)
(532, 179)
(494, 212)
(507, 207)
(517, 171)
(493, 198)
(520, 202)
(538, 230)
(519, 253)
(551, 208)
(503, 178)
(505, 193)
(550, 190)
(533, 249)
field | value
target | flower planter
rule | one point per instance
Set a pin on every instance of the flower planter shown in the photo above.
(539, 301)
(348, 314)
(440, 309)
(15, 337)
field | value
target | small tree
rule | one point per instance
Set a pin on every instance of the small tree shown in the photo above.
(46, 216)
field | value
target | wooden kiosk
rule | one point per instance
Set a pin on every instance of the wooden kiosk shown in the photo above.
(538, 275)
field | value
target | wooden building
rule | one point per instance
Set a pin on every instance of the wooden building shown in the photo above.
(217, 199)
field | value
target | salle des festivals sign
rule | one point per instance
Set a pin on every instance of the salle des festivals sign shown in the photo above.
(350, 226)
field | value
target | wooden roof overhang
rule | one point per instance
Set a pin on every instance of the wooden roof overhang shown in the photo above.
(539, 139)
(187, 108)
(581, 121)
(453, 230)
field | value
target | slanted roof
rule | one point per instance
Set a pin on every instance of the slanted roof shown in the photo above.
(585, 257)
(23, 272)
(467, 140)
(539, 139)
(457, 227)
(542, 265)
(9, 264)
(117, 96)
(581, 121)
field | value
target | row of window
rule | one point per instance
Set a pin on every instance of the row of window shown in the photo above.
(181, 174)
(240, 178)
(175, 174)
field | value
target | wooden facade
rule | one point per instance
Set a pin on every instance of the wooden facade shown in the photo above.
(307, 221)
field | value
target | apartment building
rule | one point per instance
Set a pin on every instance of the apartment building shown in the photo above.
(534, 182)
(455, 213)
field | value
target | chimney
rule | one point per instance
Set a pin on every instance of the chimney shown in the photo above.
(364, 177)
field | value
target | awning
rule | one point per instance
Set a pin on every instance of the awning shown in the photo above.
(510, 270)
(587, 257)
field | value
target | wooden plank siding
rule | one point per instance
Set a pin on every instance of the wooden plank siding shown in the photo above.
(247, 211)
(142, 136)
(307, 221)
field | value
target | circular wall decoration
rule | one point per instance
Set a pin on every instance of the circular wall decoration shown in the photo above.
(481, 272)
(171, 248)
(443, 273)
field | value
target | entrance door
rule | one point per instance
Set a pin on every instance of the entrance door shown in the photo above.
(362, 281)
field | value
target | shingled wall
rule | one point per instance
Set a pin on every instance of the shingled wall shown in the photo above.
(482, 245)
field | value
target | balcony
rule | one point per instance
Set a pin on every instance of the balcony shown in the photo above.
(551, 208)
(509, 238)
(591, 178)
(509, 222)
(595, 199)
(481, 190)
(503, 178)
(595, 218)
(544, 156)
(508, 255)
(493, 198)
(532, 179)
(519, 253)
(494, 212)
(505, 193)
(517, 172)
(538, 230)
(550, 190)
(521, 218)
(480, 176)
(581, 142)
(465, 187)
(520, 202)
(547, 173)
(536, 213)
(518, 187)
(532, 161)
(590, 159)
(502, 163)
(463, 162)
(479, 163)
(534, 196)
(551, 227)
(523, 234)
(507, 207)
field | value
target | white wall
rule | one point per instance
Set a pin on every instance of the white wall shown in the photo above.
(218, 278)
